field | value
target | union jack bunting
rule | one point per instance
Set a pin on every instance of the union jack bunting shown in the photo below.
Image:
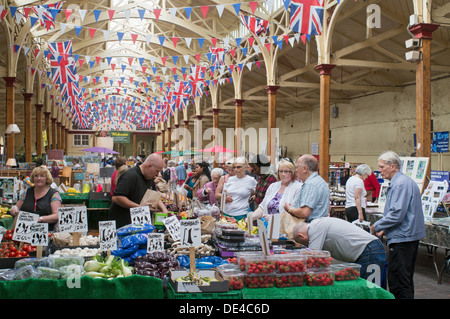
(307, 16)
(60, 49)
(196, 79)
(44, 13)
(217, 56)
(255, 25)
(63, 71)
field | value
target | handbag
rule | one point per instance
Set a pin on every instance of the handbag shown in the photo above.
(287, 223)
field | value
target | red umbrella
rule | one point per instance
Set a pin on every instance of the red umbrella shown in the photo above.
(217, 149)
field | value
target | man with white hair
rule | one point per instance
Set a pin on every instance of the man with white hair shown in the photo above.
(402, 223)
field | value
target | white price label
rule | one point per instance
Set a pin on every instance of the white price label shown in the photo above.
(39, 234)
(140, 215)
(107, 235)
(190, 230)
(22, 231)
(72, 219)
(155, 242)
(173, 227)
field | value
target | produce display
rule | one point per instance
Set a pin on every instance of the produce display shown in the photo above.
(78, 251)
(289, 280)
(290, 263)
(202, 250)
(5, 212)
(319, 277)
(317, 258)
(347, 271)
(259, 281)
(197, 279)
(235, 279)
(11, 248)
(155, 264)
(260, 265)
(107, 267)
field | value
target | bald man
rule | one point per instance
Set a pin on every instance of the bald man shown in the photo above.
(313, 199)
(131, 188)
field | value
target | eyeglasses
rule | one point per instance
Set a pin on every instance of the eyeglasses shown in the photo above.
(285, 172)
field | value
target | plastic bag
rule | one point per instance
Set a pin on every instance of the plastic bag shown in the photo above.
(132, 240)
(134, 229)
(124, 252)
(201, 263)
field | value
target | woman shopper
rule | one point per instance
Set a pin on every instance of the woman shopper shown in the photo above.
(280, 192)
(207, 193)
(200, 176)
(40, 199)
(355, 194)
(238, 190)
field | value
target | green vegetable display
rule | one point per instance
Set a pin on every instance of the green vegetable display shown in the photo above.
(110, 267)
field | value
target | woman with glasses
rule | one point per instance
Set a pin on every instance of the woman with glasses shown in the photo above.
(40, 199)
(228, 172)
(238, 190)
(280, 192)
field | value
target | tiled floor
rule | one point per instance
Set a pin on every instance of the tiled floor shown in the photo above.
(425, 277)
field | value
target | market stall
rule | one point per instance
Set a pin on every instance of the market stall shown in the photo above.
(192, 252)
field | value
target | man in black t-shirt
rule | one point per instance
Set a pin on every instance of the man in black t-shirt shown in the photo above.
(131, 188)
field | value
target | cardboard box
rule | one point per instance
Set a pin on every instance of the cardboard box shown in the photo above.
(220, 285)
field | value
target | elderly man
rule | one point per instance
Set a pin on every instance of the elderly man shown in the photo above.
(131, 188)
(402, 223)
(313, 200)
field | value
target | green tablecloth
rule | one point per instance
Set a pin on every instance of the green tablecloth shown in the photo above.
(132, 287)
(352, 289)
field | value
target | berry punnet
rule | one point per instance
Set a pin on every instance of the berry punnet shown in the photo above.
(317, 258)
(259, 281)
(345, 272)
(257, 265)
(324, 277)
(289, 280)
(291, 264)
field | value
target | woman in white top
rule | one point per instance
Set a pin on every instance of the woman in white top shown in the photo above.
(281, 192)
(238, 190)
(355, 194)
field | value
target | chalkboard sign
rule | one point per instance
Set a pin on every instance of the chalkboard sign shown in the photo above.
(106, 172)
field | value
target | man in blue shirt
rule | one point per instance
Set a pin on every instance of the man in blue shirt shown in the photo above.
(313, 200)
(402, 223)
(181, 173)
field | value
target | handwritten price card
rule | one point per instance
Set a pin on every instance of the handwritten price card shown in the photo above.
(72, 219)
(173, 227)
(22, 231)
(140, 215)
(190, 230)
(155, 242)
(39, 234)
(107, 235)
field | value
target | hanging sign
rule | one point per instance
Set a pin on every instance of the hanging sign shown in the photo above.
(120, 136)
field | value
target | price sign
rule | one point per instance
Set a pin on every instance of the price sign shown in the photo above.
(72, 219)
(190, 230)
(155, 242)
(39, 234)
(140, 215)
(22, 231)
(107, 235)
(173, 227)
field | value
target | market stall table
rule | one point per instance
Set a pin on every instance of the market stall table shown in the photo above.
(352, 289)
(131, 287)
